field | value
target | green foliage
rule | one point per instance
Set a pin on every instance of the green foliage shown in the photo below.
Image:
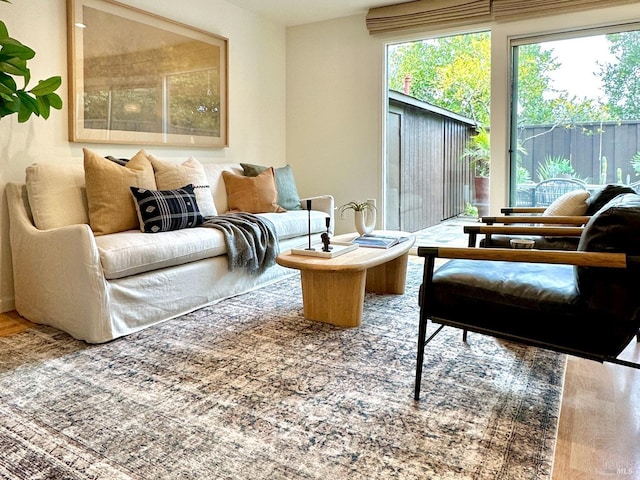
(522, 175)
(470, 210)
(620, 77)
(454, 73)
(635, 163)
(478, 152)
(356, 207)
(554, 167)
(450, 72)
(13, 63)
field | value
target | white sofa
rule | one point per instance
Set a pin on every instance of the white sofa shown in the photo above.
(101, 287)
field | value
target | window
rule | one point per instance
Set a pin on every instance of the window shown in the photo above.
(575, 111)
(438, 99)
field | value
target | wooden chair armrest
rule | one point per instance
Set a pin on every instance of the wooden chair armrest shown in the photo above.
(569, 219)
(582, 259)
(518, 210)
(547, 231)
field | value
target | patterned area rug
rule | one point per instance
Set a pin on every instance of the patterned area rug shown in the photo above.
(249, 389)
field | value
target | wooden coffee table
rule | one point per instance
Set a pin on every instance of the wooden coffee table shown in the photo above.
(333, 288)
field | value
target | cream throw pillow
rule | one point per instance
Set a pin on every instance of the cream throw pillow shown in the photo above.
(111, 206)
(252, 194)
(56, 195)
(170, 176)
(570, 204)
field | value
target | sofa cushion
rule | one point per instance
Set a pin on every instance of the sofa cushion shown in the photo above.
(218, 189)
(57, 195)
(129, 253)
(288, 197)
(166, 210)
(170, 176)
(295, 223)
(111, 206)
(252, 194)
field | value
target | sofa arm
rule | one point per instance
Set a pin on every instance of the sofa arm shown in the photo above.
(58, 277)
(321, 203)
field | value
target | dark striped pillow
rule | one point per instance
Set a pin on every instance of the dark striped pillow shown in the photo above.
(165, 210)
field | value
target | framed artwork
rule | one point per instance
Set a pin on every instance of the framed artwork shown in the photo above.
(138, 78)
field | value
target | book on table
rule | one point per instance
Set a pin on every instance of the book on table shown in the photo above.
(378, 241)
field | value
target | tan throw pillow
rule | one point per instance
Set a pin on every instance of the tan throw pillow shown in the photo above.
(170, 176)
(570, 204)
(111, 206)
(252, 194)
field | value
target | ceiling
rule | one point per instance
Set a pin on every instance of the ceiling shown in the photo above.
(299, 12)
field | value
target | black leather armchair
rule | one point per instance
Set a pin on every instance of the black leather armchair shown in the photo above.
(583, 303)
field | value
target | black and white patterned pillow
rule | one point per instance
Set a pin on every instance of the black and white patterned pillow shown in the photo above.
(165, 210)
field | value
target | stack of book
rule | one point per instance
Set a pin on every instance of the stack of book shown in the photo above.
(378, 241)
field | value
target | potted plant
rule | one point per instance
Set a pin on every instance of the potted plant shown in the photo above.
(13, 63)
(478, 152)
(364, 215)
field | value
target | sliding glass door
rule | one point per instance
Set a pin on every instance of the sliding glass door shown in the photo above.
(575, 113)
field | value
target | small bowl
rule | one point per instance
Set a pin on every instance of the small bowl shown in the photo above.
(521, 243)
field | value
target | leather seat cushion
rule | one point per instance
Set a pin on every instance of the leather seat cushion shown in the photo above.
(529, 300)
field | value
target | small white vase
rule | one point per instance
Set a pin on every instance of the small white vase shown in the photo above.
(365, 221)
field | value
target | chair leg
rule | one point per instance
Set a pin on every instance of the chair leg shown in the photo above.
(422, 334)
(464, 335)
(427, 276)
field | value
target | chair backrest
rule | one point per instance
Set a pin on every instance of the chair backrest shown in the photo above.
(614, 228)
(547, 191)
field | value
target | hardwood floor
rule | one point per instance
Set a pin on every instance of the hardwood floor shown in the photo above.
(599, 428)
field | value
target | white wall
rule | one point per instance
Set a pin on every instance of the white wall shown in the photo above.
(256, 95)
(335, 111)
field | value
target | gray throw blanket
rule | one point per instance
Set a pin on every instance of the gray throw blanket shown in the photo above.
(251, 240)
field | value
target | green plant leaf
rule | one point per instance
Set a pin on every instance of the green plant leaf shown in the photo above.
(46, 87)
(14, 66)
(8, 81)
(11, 103)
(12, 47)
(4, 33)
(24, 114)
(44, 106)
(28, 102)
(54, 100)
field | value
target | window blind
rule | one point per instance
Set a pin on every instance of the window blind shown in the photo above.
(513, 9)
(425, 13)
(451, 13)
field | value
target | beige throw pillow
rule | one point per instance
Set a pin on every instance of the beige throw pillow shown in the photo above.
(56, 195)
(111, 206)
(252, 194)
(570, 204)
(170, 176)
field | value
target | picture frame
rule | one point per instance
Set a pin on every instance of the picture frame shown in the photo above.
(139, 78)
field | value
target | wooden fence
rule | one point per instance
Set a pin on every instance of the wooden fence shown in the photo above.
(585, 145)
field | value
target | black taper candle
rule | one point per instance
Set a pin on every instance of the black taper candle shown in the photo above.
(309, 222)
